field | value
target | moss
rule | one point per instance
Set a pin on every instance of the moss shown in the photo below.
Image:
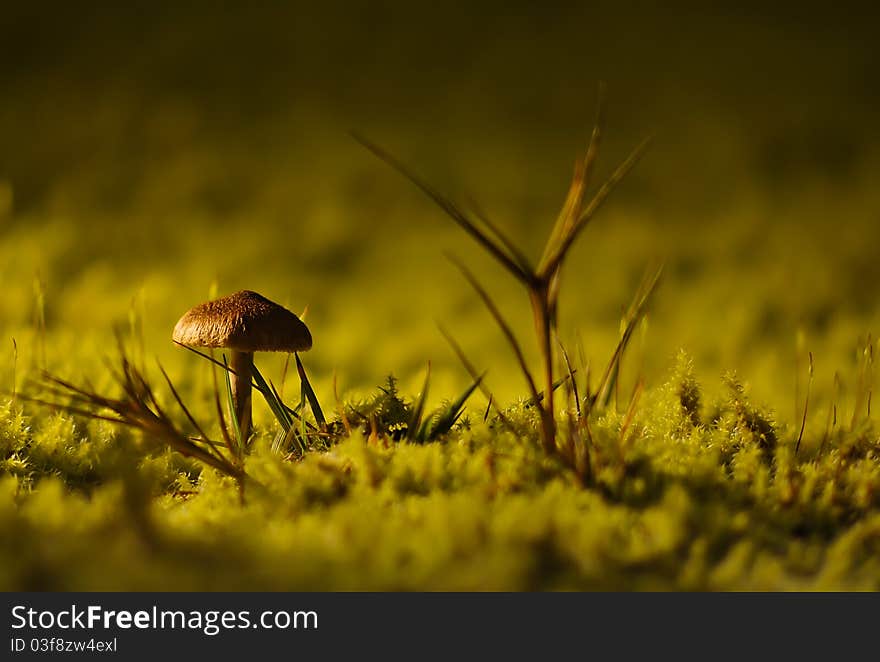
(684, 504)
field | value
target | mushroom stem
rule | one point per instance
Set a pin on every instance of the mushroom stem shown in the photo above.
(241, 365)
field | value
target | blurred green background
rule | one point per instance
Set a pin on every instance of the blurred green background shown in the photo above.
(150, 153)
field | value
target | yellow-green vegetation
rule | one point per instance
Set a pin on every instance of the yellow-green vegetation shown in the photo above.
(147, 165)
(661, 489)
(694, 496)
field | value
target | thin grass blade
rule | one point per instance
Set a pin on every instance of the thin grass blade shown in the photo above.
(310, 392)
(502, 324)
(491, 403)
(574, 201)
(271, 397)
(230, 401)
(540, 397)
(633, 316)
(204, 437)
(451, 210)
(445, 419)
(572, 380)
(553, 262)
(415, 420)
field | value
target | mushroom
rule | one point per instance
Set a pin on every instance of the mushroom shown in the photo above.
(244, 322)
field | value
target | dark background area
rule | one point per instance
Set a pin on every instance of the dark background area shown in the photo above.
(83, 84)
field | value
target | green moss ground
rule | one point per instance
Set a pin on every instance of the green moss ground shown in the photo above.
(690, 498)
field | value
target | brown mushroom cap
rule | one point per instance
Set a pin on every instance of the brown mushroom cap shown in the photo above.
(245, 322)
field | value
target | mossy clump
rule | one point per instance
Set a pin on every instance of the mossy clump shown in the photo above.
(692, 497)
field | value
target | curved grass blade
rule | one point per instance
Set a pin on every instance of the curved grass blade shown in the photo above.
(574, 201)
(236, 429)
(443, 421)
(557, 256)
(512, 248)
(310, 393)
(414, 427)
(472, 371)
(502, 324)
(203, 437)
(632, 318)
(271, 397)
(540, 397)
(261, 386)
(572, 380)
(451, 210)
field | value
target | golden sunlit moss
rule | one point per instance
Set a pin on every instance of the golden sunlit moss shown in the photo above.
(685, 505)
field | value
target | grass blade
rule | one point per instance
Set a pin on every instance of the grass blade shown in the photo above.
(189, 416)
(503, 325)
(553, 262)
(479, 379)
(310, 393)
(415, 420)
(138, 409)
(540, 398)
(261, 386)
(451, 210)
(230, 401)
(445, 419)
(518, 256)
(272, 399)
(574, 201)
(572, 380)
(224, 430)
(632, 318)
